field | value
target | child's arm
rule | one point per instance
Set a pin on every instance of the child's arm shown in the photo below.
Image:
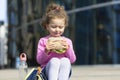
(70, 52)
(41, 56)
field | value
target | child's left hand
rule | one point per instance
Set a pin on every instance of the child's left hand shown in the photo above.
(64, 44)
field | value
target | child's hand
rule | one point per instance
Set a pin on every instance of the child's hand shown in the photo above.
(64, 44)
(49, 47)
(61, 47)
(54, 44)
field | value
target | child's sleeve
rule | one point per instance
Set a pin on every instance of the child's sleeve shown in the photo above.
(70, 52)
(41, 56)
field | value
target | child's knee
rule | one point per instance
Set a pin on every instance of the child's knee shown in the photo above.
(55, 61)
(65, 61)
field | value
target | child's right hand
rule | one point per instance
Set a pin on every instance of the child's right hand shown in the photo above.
(49, 46)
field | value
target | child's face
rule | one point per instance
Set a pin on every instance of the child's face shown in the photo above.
(56, 27)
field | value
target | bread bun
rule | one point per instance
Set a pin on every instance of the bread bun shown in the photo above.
(56, 41)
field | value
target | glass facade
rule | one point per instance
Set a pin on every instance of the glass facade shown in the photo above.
(97, 34)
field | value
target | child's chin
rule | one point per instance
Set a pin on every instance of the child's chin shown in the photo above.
(57, 36)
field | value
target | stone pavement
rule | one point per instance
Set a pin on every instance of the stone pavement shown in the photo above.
(96, 72)
(93, 72)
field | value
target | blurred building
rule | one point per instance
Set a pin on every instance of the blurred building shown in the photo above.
(92, 44)
(3, 33)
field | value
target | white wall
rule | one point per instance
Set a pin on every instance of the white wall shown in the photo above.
(3, 11)
(3, 32)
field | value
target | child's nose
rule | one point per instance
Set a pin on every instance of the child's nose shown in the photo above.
(57, 29)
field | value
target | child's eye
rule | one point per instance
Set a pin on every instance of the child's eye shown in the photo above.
(61, 27)
(54, 26)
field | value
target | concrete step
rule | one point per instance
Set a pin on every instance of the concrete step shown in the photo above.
(93, 72)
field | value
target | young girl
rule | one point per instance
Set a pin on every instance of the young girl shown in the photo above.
(55, 52)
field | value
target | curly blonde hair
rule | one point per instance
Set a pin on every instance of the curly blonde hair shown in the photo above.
(54, 11)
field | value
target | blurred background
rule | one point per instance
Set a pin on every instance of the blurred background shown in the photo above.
(94, 27)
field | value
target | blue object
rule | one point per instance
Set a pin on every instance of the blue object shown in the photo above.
(31, 75)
